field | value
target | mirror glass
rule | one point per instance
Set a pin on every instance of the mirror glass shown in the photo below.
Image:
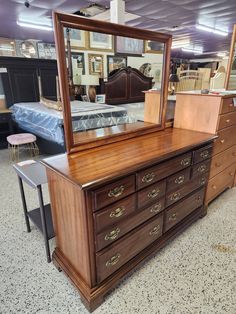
(108, 79)
(232, 76)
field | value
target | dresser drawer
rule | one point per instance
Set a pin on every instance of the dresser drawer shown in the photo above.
(227, 105)
(222, 160)
(220, 182)
(163, 170)
(126, 248)
(177, 180)
(113, 233)
(201, 168)
(227, 120)
(225, 139)
(189, 187)
(151, 193)
(202, 154)
(177, 212)
(114, 213)
(114, 191)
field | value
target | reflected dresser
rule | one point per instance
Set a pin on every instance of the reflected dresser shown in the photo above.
(116, 205)
(214, 114)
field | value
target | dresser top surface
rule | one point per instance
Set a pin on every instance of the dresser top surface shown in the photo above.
(96, 166)
(214, 94)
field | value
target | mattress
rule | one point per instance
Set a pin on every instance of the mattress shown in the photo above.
(48, 123)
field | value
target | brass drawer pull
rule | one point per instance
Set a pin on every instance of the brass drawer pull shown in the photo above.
(198, 198)
(112, 235)
(175, 197)
(231, 105)
(218, 164)
(180, 179)
(227, 121)
(203, 181)
(156, 208)
(154, 193)
(185, 162)
(214, 187)
(118, 212)
(231, 174)
(204, 154)
(202, 168)
(148, 177)
(113, 260)
(173, 217)
(118, 191)
(222, 141)
(155, 230)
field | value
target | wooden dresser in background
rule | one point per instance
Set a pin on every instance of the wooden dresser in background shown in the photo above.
(214, 114)
(116, 205)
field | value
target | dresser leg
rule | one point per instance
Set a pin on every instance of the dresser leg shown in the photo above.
(93, 304)
(204, 211)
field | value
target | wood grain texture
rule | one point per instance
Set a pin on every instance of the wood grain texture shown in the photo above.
(222, 160)
(152, 107)
(225, 139)
(227, 120)
(93, 167)
(227, 105)
(70, 223)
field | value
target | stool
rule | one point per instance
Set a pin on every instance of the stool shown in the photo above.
(15, 141)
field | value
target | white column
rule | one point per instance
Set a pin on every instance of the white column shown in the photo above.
(117, 10)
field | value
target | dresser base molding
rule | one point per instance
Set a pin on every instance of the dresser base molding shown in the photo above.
(94, 297)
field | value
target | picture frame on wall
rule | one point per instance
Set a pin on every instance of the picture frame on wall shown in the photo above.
(154, 47)
(100, 41)
(7, 47)
(26, 48)
(95, 64)
(101, 99)
(116, 62)
(129, 46)
(46, 51)
(77, 38)
(78, 66)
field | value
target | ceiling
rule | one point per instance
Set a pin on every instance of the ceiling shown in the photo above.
(157, 15)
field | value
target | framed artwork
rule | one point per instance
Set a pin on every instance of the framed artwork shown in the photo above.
(154, 47)
(77, 38)
(46, 51)
(95, 64)
(100, 41)
(26, 48)
(7, 47)
(129, 46)
(116, 62)
(100, 98)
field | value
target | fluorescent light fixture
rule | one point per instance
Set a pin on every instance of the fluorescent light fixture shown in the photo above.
(197, 50)
(35, 26)
(221, 54)
(180, 44)
(211, 30)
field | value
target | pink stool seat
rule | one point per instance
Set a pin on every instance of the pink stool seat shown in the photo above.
(21, 138)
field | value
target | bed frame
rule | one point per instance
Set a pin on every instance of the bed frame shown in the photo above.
(126, 85)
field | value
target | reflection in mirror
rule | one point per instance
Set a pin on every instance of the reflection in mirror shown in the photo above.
(114, 82)
(232, 76)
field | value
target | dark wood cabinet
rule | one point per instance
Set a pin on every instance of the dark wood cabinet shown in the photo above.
(111, 212)
(6, 127)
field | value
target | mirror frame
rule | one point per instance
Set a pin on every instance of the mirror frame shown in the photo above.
(231, 55)
(73, 21)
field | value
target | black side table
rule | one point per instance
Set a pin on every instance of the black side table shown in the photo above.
(34, 175)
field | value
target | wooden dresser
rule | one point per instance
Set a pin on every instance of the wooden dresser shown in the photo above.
(212, 114)
(115, 205)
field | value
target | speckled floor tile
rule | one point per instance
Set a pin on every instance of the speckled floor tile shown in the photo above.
(194, 274)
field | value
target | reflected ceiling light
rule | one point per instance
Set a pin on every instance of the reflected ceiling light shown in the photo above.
(35, 26)
(180, 44)
(211, 30)
(195, 50)
(221, 54)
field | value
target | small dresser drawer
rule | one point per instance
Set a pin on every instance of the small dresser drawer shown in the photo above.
(126, 248)
(222, 160)
(115, 232)
(163, 170)
(227, 105)
(114, 213)
(225, 139)
(189, 187)
(179, 211)
(201, 168)
(220, 182)
(202, 154)
(227, 120)
(114, 191)
(177, 180)
(151, 193)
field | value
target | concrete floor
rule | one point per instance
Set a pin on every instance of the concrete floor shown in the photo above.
(196, 273)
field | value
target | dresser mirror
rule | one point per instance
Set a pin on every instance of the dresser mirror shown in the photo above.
(230, 83)
(113, 80)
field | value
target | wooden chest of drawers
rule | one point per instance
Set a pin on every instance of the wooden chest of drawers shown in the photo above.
(107, 222)
(213, 114)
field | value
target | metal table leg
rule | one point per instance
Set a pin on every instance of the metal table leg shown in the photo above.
(24, 204)
(43, 220)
